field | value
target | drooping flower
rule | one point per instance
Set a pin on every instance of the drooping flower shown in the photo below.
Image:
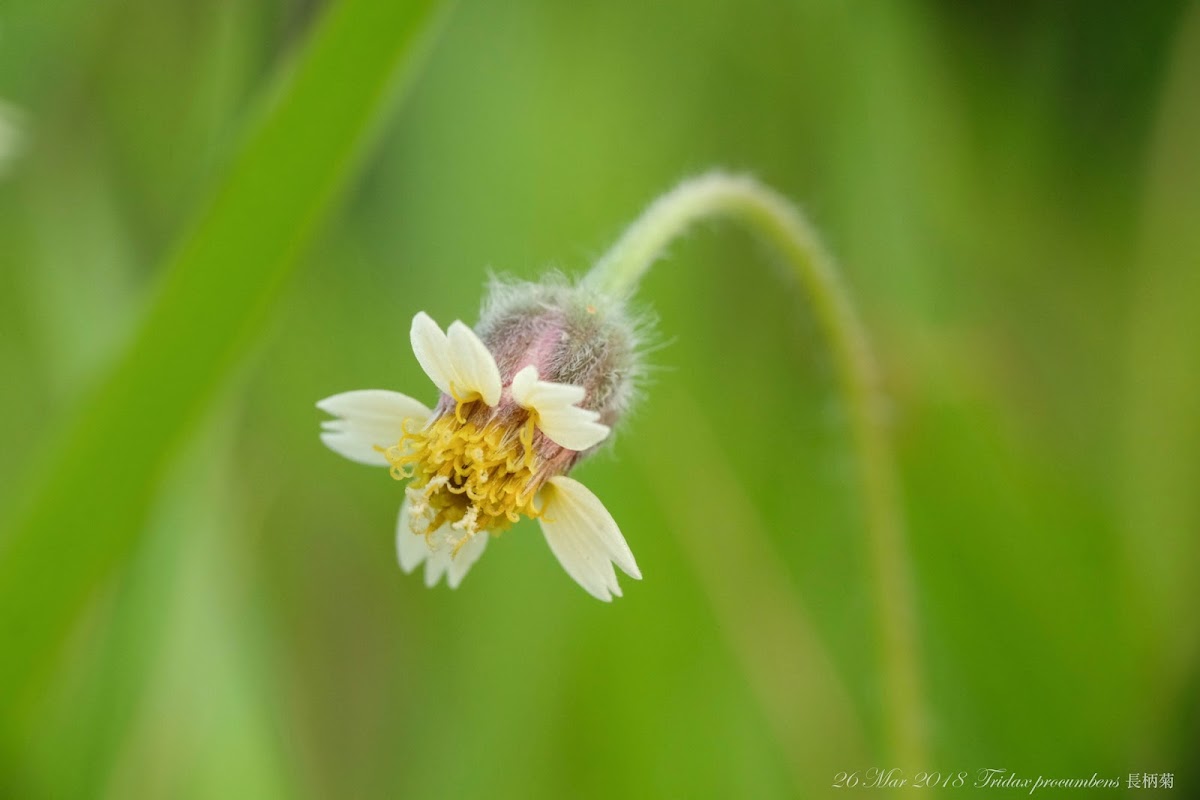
(536, 390)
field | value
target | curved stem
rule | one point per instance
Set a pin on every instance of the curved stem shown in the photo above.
(774, 219)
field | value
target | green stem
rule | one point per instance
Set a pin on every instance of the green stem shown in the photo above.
(773, 218)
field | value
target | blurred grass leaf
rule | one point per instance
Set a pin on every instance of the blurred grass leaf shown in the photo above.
(1162, 430)
(82, 515)
(1164, 387)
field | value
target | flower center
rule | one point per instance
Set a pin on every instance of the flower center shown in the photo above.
(472, 476)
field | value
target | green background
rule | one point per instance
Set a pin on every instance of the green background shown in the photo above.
(198, 600)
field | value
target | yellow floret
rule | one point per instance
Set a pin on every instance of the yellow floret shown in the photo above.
(476, 479)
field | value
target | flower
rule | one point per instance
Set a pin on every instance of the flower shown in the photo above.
(519, 407)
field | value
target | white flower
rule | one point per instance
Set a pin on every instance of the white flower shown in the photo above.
(496, 448)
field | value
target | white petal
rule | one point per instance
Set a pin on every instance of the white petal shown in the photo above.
(438, 562)
(468, 555)
(572, 427)
(474, 365)
(411, 548)
(579, 502)
(457, 362)
(432, 350)
(354, 447)
(585, 538)
(523, 383)
(558, 416)
(529, 391)
(368, 418)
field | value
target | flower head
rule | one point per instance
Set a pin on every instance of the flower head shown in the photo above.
(536, 390)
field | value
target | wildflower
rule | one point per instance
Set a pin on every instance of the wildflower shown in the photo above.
(537, 390)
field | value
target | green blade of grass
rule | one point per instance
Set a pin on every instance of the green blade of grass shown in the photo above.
(83, 516)
(1162, 432)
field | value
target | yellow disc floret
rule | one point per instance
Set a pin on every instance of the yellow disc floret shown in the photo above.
(473, 472)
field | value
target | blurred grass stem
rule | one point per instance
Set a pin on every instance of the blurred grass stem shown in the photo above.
(774, 219)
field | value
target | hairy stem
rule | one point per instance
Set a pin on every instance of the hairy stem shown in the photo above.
(780, 224)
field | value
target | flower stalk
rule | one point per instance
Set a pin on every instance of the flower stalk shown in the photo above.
(776, 221)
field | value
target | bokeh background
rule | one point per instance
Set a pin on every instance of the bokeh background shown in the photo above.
(1013, 189)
